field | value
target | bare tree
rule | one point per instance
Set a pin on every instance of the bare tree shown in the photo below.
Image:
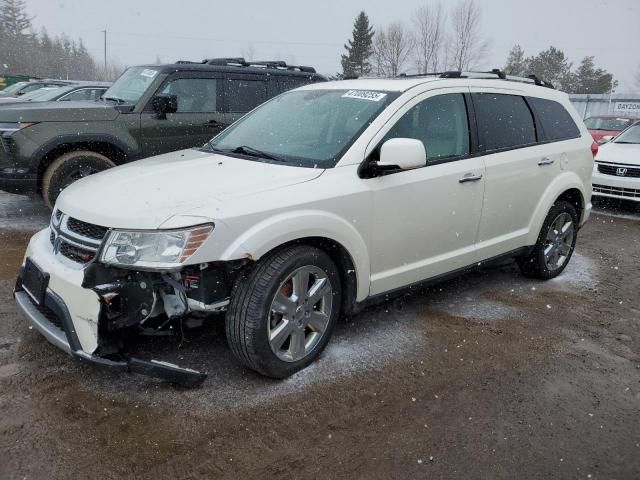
(248, 52)
(467, 46)
(391, 49)
(429, 38)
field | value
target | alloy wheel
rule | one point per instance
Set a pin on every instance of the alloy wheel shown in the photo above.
(559, 241)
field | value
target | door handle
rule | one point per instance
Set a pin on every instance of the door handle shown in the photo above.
(470, 177)
(546, 161)
(212, 123)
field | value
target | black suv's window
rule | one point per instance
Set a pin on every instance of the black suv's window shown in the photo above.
(504, 121)
(83, 94)
(286, 83)
(440, 123)
(245, 95)
(556, 122)
(195, 95)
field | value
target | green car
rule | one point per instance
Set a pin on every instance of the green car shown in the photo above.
(149, 110)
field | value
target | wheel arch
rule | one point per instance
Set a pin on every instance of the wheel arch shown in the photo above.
(568, 186)
(337, 237)
(112, 148)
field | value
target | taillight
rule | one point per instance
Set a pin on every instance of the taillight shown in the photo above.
(594, 149)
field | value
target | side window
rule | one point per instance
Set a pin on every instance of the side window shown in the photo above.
(84, 94)
(245, 95)
(504, 121)
(195, 95)
(556, 122)
(440, 123)
(286, 83)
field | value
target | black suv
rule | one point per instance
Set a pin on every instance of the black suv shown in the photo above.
(149, 110)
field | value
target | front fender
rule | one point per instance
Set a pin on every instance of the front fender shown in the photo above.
(274, 231)
(566, 181)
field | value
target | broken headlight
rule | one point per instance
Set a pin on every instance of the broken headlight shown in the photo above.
(161, 249)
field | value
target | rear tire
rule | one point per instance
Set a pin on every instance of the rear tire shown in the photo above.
(69, 168)
(283, 311)
(556, 242)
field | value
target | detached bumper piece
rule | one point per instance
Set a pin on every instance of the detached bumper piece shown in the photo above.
(51, 318)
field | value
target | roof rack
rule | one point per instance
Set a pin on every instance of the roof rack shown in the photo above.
(241, 62)
(496, 72)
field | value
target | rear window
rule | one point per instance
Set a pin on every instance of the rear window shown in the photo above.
(504, 121)
(556, 122)
(245, 95)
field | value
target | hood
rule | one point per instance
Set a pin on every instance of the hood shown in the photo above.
(598, 134)
(81, 111)
(147, 193)
(626, 153)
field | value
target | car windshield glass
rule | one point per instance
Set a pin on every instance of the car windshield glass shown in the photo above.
(630, 135)
(43, 94)
(131, 84)
(613, 124)
(14, 88)
(307, 127)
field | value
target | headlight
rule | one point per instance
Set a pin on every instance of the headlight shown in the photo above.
(153, 249)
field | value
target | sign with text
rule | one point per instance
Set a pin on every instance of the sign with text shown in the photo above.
(630, 108)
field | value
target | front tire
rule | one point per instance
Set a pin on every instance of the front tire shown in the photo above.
(69, 168)
(283, 311)
(556, 242)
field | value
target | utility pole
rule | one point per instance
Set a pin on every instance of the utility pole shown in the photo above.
(105, 53)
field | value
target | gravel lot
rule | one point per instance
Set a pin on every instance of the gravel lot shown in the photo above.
(490, 375)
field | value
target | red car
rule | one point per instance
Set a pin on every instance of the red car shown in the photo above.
(607, 126)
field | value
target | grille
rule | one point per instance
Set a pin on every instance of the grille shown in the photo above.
(622, 192)
(84, 229)
(48, 314)
(7, 144)
(76, 254)
(613, 170)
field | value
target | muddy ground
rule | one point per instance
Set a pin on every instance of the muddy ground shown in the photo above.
(489, 376)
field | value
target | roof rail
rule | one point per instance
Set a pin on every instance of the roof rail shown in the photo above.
(496, 72)
(241, 62)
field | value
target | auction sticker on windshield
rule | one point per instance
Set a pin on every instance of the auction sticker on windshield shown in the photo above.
(365, 95)
(148, 72)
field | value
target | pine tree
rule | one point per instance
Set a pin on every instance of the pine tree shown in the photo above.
(589, 79)
(516, 62)
(359, 48)
(14, 18)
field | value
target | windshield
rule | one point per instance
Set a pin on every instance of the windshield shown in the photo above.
(613, 124)
(131, 84)
(14, 88)
(306, 127)
(630, 135)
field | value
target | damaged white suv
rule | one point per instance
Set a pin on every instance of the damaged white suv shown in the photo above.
(318, 200)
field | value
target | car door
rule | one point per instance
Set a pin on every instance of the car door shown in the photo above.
(426, 219)
(199, 116)
(243, 93)
(518, 169)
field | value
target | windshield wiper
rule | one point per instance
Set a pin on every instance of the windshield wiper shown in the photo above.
(114, 99)
(254, 152)
(630, 143)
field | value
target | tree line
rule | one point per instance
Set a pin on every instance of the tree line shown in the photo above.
(25, 52)
(440, 39)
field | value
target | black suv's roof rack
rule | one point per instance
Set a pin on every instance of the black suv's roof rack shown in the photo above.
(241, 62)
(495, 73)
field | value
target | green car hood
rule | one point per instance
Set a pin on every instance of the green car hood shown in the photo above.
(80, 111)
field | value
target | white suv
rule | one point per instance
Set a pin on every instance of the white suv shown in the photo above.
(320, 199)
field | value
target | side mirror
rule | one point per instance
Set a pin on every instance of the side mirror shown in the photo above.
(606, 138)
(163, 104)
(402, 153)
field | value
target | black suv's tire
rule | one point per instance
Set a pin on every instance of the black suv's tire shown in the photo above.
(268, 307)
(68, 168)
(556, 242)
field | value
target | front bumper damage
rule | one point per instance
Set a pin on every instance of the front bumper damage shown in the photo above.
(85, 311)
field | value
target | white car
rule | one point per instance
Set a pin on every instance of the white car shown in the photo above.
(617, 169)
(317, 201)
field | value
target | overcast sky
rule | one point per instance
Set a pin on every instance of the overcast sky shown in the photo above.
(313, 32)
